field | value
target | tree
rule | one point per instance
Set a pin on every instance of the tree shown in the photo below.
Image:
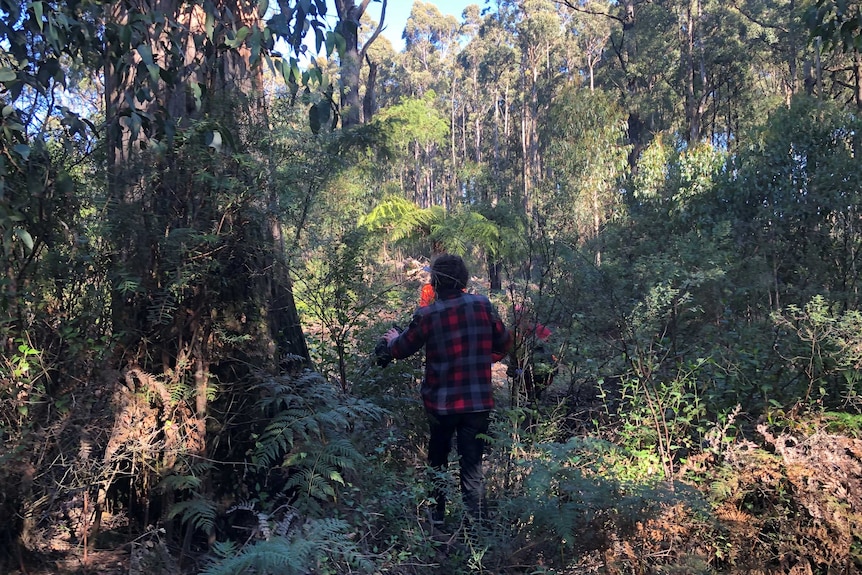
(585, 157)
(191, 238)
(591, 28)
(838, 25)
(349, 17)
(416, 130)
(539, 32)
(794, 200)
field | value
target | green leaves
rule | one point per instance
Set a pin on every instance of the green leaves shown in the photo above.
(239, 38)
(838, 23)
(24, 236)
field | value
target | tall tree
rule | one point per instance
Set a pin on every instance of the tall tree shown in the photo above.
(349, 18)
(585, 157)
(837, 25)
(539, 32)
(591, 28)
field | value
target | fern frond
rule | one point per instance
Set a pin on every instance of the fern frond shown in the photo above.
(388, 213)
(198, 512)
(223, 549)
(275, 556)
(298, 554)
(308, 410)
(161, 310)
(178, 482)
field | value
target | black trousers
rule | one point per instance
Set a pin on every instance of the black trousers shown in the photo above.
(466, 427)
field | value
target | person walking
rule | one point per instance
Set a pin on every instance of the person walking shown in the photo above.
(462, 335)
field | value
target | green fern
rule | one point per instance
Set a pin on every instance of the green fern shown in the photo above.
(161, 310)
(577, 485)
(401, 219)
(307, 410)
(297, 554)
(320, 467)
(178, 482)
(198, 512)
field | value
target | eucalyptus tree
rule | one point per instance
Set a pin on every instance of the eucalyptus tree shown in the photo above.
(585, 154)
(378, 75)
(430, 45)
(471, 97)
(691, 66)
(837, 26)
(180, 80)
(590, 27)
(351, 55)
(490, 65)
(187, 221)
(539, 36)
(414, 129)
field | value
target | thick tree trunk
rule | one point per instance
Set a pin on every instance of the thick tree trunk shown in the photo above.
(168, 298)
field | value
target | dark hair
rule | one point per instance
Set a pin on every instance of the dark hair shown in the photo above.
(449, 272)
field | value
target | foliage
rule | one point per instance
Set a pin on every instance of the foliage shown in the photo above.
(322, 545)
(308, 435)
(671, 187)
(828, 355)
(789, 494)
(562, 501)
(837, 23)
(791, 192)
(338, 291)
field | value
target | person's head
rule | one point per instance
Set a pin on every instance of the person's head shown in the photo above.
(448, 272)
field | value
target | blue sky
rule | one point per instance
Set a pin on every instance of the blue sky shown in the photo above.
(397, 12)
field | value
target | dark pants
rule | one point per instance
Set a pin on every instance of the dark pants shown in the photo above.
(468, 427)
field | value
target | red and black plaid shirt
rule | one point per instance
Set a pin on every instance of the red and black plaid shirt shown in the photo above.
(460, 332)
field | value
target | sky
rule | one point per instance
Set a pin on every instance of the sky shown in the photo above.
(397, 12)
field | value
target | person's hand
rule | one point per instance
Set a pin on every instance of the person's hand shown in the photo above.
(391, 334)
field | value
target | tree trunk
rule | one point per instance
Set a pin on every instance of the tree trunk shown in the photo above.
(692, 101)
(349, 16)
(857, 76)
(157, 203)
(369, 102)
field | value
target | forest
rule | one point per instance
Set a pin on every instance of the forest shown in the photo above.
(212, 210)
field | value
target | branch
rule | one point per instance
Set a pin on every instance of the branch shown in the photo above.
(577, 8)
(626, 21)
(376, 32)
(755, 20)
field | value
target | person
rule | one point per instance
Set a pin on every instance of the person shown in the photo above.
(462, 335)
(532, 360)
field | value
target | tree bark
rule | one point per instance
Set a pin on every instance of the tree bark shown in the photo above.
(349, 16)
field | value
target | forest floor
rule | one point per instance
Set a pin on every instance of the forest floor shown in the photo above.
(808, 480)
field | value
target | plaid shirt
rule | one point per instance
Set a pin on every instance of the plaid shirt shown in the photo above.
(460, 331)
